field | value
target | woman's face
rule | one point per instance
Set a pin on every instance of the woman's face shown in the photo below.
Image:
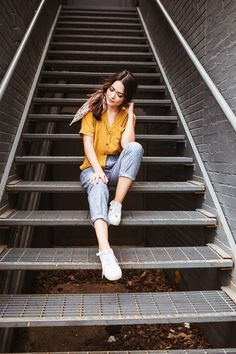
(115, 94)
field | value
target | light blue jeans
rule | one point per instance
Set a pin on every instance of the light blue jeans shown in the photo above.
(126, 165)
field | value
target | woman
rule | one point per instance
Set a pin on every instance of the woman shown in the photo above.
(112, 157)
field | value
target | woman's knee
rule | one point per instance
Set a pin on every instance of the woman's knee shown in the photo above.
(135, 147)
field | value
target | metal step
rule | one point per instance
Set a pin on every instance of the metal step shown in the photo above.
(96, 77)
(163, 351)
(90, 87)
(129, 218)
(173, 160)
(129, 14)
(128, 258)
(100, 25)
(89, 54)
(78, 101)
(125, 11)
(75, 187)
(114, 46)
(115, 309)
(139, 137)
(101, 39)
(38, 117)
(96, 63)
(105, 31)
(94, 18)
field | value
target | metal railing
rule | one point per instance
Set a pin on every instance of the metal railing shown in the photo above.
(28, 102)
(206, 78)
(201, 165)
(12, 66)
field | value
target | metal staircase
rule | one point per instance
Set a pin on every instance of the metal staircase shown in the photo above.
(86, 46)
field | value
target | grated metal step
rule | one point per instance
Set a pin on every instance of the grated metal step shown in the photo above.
(139, 137)
(101, 38)
(129, 258)
(163, 351)
(129, 218)
(127, 11)
(70, 186)
(79, 159)
(129, 14)
(114, 47)
(99, 25)
(89, 54)
(96, 17)
(101, 63)
(79, 101)
(109, 31)
(117, 308)
(82, 87)
(68, 117)
(97, 75)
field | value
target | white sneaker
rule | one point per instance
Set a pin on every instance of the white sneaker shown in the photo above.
(114, 214)
(110, 267)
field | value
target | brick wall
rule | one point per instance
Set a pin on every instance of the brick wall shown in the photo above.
(209, 28)
(15, 17)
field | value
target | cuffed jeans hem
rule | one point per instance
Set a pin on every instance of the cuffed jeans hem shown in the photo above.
(92, 220)
(121, 174)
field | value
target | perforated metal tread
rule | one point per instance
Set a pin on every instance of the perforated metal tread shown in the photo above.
(127, 11)
(79, 159)
(87, 74)
(117, 39)
(68, 117)
(69, 186)
(116, 308)
(105, 63)
(95, 17)
(176, 351)
(101, 24)
(58, 53)
(124, 46)
(129, 218)
(129, 258)
(139, 137)
(68, 87)
(72, 101)
(96, 31)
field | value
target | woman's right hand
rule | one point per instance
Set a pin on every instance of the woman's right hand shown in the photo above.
(98, 177)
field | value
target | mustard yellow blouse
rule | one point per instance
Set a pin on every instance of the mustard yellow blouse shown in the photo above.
(106, 138)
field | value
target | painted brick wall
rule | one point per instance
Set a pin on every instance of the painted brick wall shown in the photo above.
(15, 17)
(209, 27)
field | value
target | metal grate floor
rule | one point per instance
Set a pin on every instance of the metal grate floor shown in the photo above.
(69, 186)
(116, 308)
(177, 351)
(129, 218)
(85, 258)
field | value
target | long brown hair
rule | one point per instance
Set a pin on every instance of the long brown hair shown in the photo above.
(97, 101)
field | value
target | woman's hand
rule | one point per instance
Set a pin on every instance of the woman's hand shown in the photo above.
(98, 177)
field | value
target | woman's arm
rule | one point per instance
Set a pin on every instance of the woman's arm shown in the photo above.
(129, 134)
(92, 157)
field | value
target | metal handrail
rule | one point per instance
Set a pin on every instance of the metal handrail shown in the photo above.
(12, 66)
(208, 81)
(12, 153)
(220, 213)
